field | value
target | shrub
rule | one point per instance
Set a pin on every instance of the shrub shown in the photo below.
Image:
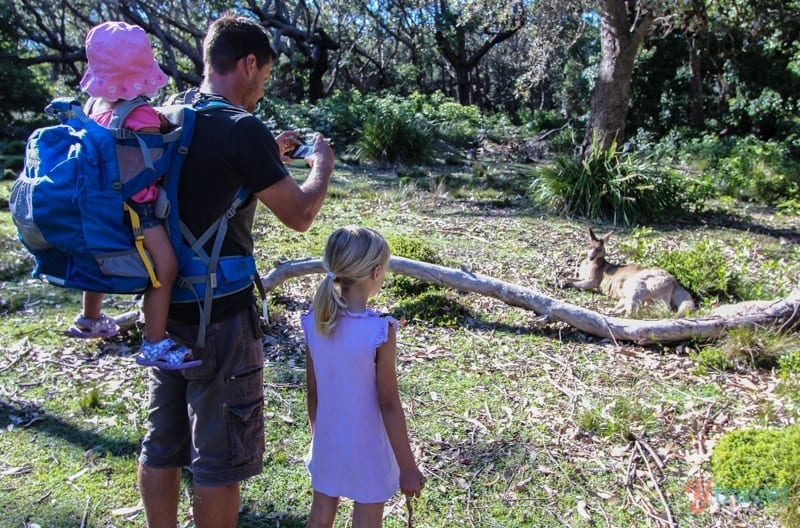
(617, 187)
(538, 120)
(760, 463)
(456, 124)
(393, 133)
(711, 358)
(747, 347)
(340, 116)
(789, 364)
(419, 300)
(703, 269)
(747, 168)
(617, 419)
(436, 306)
(410, 248)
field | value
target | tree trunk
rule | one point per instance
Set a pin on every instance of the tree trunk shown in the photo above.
(462, 84)
(319, 65)
(697, 116)
(621, 33)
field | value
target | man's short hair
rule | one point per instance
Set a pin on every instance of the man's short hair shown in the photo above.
(231, 38)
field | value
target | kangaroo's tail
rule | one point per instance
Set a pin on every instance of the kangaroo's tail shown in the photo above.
(682, 300)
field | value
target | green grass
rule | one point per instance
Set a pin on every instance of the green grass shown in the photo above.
(516, 423)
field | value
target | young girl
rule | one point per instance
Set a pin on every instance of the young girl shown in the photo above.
(122, 66)
(360, 447)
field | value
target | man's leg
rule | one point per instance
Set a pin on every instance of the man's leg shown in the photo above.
(159, 488)
(216, 507)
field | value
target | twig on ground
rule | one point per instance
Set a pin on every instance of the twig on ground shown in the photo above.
(657, 486)
(656, 458)
(86, 512)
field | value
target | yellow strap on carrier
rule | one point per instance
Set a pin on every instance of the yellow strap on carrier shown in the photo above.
(138, 235)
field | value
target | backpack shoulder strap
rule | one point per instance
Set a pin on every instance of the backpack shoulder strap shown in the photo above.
(123, 109)
(118, 116)
(185, 97)
(217, 232)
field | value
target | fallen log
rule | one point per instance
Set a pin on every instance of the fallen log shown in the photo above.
(781, 313)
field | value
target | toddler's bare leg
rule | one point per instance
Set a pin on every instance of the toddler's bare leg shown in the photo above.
(156, 300)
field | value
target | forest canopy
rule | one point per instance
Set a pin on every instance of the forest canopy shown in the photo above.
(720, 66)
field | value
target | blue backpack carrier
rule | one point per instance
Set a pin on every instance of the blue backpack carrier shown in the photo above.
(69, 206)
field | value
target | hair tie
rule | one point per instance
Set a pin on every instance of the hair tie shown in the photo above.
(332, 275)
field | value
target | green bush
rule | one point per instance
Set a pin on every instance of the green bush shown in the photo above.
(435, 306)
(456, 124)
(762, 465)
(789, 364)
(758, 171)
(340, 116)
(703, 269)
(745, 347)
(392, 133)
(617, 187)
(616, 420)
(538, 120)
(711, 358)
(747, 168)
(414, 249)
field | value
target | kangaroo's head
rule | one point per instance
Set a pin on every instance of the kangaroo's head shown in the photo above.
(597, 246)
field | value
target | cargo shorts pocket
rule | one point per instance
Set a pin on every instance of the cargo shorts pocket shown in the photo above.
(245, 423)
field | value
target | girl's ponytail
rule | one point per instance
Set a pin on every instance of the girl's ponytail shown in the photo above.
(327, 302)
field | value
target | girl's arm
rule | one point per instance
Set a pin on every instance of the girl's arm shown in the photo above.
(311, 391)
(411, 479)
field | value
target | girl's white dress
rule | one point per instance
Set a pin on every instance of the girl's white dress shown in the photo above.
(350, 452)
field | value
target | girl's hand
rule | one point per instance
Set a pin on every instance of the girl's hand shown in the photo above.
(412, 481)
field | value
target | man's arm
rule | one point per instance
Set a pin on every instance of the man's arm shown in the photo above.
(297, 205)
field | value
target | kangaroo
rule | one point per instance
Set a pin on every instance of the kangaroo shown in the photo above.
(633, 285)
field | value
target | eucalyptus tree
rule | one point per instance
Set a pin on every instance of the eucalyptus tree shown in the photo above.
(385, 44)
(54, 32)
(466, 30)
(20, 88)
(623, 26)
(753, 50)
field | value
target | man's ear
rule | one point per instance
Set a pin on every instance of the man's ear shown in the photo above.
(376, 271)
(250, 64)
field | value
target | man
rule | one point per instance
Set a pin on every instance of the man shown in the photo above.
(209, 418)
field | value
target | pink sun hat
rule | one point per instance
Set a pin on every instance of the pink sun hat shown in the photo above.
(121, 63)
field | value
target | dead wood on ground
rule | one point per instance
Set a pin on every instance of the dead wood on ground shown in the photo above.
(781, 313)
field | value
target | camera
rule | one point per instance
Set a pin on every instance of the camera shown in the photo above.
(301, 152)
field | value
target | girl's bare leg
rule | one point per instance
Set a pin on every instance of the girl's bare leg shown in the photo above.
(323, 511)
(368, 515)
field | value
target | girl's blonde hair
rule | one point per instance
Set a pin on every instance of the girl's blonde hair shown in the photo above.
(351, 254)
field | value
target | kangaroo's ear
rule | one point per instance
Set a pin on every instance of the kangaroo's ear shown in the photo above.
(592, 235)
(607, 236)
